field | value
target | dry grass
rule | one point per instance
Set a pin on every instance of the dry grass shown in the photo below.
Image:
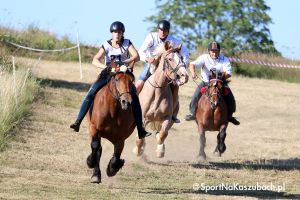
(47, 160)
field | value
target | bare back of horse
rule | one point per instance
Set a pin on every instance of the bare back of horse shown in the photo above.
(159, 95)
(211, 114)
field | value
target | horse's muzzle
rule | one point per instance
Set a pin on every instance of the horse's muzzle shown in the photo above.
(125, 104)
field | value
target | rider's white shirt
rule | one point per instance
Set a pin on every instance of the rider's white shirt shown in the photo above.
(222, 64)
(151, 42)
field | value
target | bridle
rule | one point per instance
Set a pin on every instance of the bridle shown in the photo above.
(216, 92)
(119, 94)
(168, 66)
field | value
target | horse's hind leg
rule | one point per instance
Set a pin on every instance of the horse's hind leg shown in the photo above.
(115, 163)
(94, 159)
(202, 141)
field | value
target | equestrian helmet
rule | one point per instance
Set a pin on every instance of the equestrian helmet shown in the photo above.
(214, 46)
(117, 26)
(164, 25)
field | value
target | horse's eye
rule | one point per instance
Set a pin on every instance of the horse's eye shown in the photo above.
(117, 79)
(170, 59)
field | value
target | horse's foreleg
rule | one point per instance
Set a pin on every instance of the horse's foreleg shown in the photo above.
(94, 159)
(221, 147)
(140, 146)
(116, 163)
(221, 141)
(160, 138)
(202, 141)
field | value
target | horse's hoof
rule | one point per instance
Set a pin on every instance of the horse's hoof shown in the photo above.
(95, 179)
(217, 153)
(160, 150)
(137, 151)
(202, 158)
(114, 166)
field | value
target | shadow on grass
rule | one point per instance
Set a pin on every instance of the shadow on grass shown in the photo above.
(64, 84)
(266, 164)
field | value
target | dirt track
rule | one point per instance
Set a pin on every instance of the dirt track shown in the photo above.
(46, 160)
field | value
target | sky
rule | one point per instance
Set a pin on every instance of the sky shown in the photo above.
(92, 19)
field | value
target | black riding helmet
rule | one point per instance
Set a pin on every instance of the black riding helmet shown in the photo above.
(214, 46)
(117, 26)
(164, 25)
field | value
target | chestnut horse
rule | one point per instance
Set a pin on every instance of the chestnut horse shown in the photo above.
(111, 117)
(159, 96)
(211, 114)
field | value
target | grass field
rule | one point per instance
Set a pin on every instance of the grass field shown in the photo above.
(46, 160)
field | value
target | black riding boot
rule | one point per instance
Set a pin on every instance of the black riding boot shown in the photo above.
(87, 102)
(231, 105)
(137, 112)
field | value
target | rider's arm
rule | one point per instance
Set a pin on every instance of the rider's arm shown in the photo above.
(192, 70)
(144, 50)
(134, 55)
(227, 68)
(199, 62)
(98, 57)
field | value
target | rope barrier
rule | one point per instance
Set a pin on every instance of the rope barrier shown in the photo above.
(258, 62)
(42, 50)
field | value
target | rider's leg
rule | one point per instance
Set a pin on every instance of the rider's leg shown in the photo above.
(87, 102)
(194, 102)
(174, 89)
(231, 104)
(137, 112)
(145, 74)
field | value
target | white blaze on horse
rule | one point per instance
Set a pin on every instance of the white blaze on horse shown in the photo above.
(159, 96)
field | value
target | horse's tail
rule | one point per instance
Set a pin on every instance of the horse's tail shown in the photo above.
(154, 125)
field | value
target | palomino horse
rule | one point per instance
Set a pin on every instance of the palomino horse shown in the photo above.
(111, 117)
(159, 96)
(212, 111)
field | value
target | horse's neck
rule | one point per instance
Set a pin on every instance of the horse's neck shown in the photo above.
(159, 75)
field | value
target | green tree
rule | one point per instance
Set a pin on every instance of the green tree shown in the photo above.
(240, 25)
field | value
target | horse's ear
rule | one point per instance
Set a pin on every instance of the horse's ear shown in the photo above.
(167, 45)
(179, 47)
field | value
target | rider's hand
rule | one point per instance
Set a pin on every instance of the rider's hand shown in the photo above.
(194, 75)
(150, 60)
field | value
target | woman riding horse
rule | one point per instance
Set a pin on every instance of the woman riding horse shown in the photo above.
(117, 49)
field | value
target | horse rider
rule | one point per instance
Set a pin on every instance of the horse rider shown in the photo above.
(121, 51)
(147, 50)
(208, 61)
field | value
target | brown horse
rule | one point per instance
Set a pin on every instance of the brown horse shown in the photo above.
(159, 96)
(211, 114)
(111, 117)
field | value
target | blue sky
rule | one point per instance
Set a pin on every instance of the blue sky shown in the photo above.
(92, 18)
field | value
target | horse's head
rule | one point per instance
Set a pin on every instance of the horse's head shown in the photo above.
(122, 79)
(174, 66)
(214, 92)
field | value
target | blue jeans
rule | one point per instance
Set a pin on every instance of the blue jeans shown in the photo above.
(145, 74)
